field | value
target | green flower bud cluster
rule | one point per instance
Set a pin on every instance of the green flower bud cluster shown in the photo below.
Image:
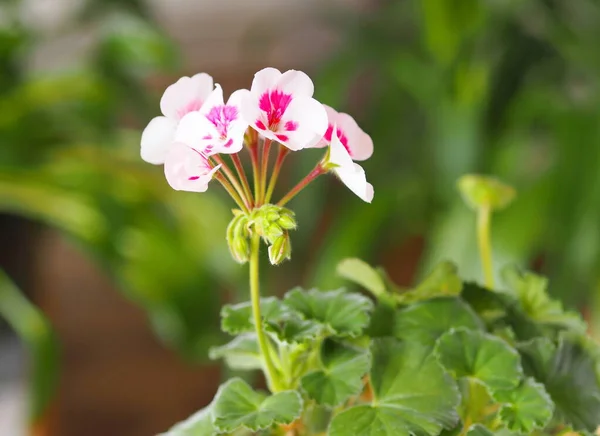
(271, 222)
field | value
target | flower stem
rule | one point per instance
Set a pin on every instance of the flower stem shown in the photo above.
(264, 167)
(271, 371)
(231, 191)
(253, 150)
(283, 152)
(233, 180)
(237, 162)
(485, 246)
(316, 172)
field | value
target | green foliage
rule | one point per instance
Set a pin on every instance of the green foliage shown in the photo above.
(238, 405)
(426, 321)
(480, 356)
(199, 424)
(525, 408)
(476, 362)
(337, 311)
(340, 376)
(411, 395)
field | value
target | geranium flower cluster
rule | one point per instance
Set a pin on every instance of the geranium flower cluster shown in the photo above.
(197, 127)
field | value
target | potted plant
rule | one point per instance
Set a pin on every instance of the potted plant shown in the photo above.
(445, 357)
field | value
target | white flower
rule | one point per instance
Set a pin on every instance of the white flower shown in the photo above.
(217, 127)
(187, 95)
(281, 108)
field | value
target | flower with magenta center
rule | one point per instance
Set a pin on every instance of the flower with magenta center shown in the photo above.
(281, 108)
(217, 127)
(185, 96)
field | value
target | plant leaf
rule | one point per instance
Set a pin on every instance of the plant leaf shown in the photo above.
(425, 322)
(525, 408)
(294, 330)
(340, 312)
(241, 353)
(237, 318)
(341, 375)
(486, 358)
(530, 289)
(363, 274)
(238, 405)
(412, 395)
(479, 430)
(442, 281)
(568, 373)
(199, 424)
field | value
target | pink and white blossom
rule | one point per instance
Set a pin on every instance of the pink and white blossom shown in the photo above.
(217, 127)
(280, 107)
(358, 144)
(187, 169)
(349, 172)
(187, 95)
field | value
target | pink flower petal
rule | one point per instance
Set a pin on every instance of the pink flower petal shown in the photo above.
(186, 95)
(156, 139)
(187, 169)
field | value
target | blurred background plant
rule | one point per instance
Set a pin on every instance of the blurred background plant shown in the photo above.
(444, 87)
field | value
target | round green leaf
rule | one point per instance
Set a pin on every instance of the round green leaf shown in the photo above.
(340, 312)
(199, 424)
(237, 405)
(412, 395)
(568, 374)
(525, 408)
(486, 358)
(425, 322)
(341, 375)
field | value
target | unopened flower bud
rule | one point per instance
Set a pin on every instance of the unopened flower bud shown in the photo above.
(240, 250)
(280, 250)
(237, 234)
(273, 232)
(287, 222)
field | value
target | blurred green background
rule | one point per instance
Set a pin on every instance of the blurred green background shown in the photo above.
(95, 237)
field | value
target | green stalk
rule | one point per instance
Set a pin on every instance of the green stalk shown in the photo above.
(271, 371)
(485, 247)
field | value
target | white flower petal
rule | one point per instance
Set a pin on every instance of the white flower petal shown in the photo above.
(156, 139)
(359, 143)
(338, 154)
(355, 179)
(249, 107)
(296, 83)
(194, 130)
(264, 79)
(187, 170)
(186, 95)
(215, 98)
(303, 124)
